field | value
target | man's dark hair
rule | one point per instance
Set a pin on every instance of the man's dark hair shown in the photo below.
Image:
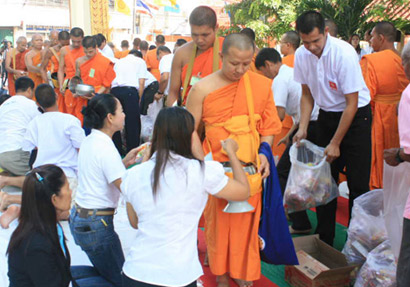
(136, 43)
(310, 20)
(144, 45)
(136, 53)
(22, 84)
(203, 16)
(267, 54)
(45, 96)
(3, 98)
(124, 44)
(386, 29)
(163, 49)
(249, 32)
(239, 41)
(64, 35)
(100, 38)
(152, 47)
(180, 42)
(292, 37)
(77, 32)
(160, 39)
(89, 42)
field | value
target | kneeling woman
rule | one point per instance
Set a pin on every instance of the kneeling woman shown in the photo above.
(100, 169)
(168, 193)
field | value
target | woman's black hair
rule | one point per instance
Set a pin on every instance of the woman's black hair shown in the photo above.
(97, 110)
(172, 133)
(37, 213)
(358, 49)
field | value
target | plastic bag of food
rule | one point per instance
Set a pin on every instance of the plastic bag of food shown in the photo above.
(310, 181)
(379, 269)
(148, 121)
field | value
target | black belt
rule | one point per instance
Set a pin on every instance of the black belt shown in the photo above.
(85, 213)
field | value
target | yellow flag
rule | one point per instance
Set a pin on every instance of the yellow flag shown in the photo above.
(122, 7)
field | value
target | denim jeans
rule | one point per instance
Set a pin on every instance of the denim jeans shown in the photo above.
(88, 276)
(97, 238)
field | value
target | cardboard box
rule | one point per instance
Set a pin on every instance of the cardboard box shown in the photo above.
(320, 265)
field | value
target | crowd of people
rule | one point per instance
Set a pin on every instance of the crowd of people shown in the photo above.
(70, 156)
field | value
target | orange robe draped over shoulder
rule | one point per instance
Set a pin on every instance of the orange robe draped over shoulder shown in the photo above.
(54, 64)
(386, 80)
(34, 76)
(69, 60)
(20, 65)
(153, 64)
(289, 60)
(203, 66)
(121, 54)
(232, 239)
(97, 72)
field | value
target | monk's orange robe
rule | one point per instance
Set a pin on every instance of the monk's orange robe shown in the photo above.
(37, 79)
(153, 64)
(121, 54)
(253, 67)
(97, 72)
(69, 60)
(20, 65)
(54, 63)
(232, 239)
(386, 80)
(289, 60)
(203, 66)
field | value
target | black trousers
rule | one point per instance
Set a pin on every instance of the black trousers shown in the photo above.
(128, 282)
(129, 99)
(403, 266)
(355, 155)
(300, 220)
(148, 97)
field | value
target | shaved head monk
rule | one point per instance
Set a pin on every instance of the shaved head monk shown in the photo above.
(95, 70)
(53, 37)
(196, 59)
(66, 68)
(220, 103)
(333, 30)
(289, 42)
(386, 80)
(15, 63)
(124, 50)
(152, 61)
(251, 34)
(50, 63)
(33, 60)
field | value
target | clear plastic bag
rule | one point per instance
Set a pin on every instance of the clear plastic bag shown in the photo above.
(310, 181)
(367, 229)
(148, 121)
(379, 269)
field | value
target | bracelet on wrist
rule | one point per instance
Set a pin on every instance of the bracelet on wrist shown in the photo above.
(160, 93)
(398, 157)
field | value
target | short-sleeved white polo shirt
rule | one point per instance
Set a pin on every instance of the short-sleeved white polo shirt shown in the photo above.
(335, 74)
(99, 165)
(128, 71)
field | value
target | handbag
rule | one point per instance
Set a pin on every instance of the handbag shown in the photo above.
(275, 240)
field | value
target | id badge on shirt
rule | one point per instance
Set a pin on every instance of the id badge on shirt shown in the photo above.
(194, 80)
(92, 73)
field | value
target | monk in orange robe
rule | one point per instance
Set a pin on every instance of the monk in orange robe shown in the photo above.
(124, 50)
(15, 63)
(66, 68)
(220, 103)
(33, 60)
(203, 50)
(289, 42)
(95, 70)
(152, 60)
(144, 50)
(386, 80)
(50, 63)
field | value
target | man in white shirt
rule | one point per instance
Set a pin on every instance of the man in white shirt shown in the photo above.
(165, 57)
(331, 76)
(128, 86)
(151, 88)
(104, 48)
(287, 94)
(15, 115)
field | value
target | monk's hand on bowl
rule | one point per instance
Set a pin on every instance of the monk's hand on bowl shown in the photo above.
(264, 167)
(229, 146)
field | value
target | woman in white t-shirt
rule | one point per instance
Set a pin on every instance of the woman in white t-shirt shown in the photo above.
(169, 192)
(100, 169)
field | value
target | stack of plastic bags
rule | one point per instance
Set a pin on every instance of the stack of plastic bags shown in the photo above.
(310, 181)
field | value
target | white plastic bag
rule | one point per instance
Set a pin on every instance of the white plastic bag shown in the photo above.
(379, 269)
(396, 181)
(310, 181)
(148, 121)
(367, 229)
